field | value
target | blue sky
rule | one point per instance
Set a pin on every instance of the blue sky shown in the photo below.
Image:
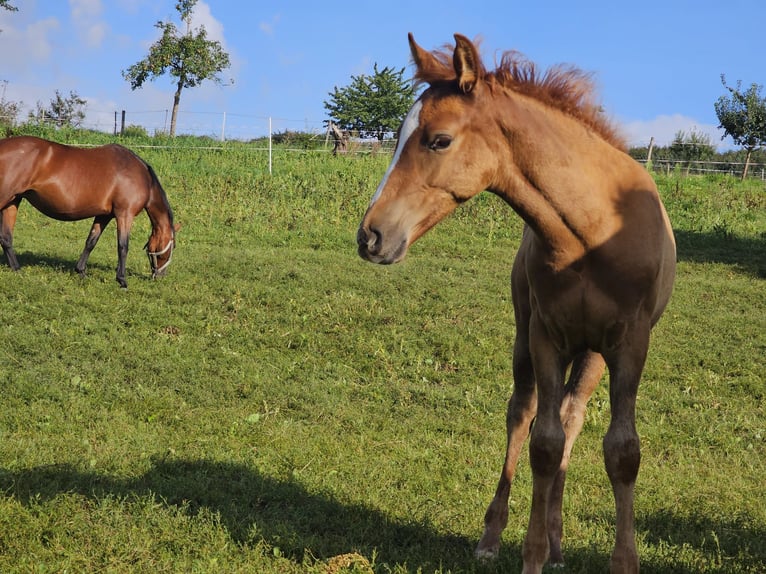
(657, 63)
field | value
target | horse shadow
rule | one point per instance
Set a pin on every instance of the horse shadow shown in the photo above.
(61, 264)
(725, 542)
(748, 255)
(251, 507)
(307, 525)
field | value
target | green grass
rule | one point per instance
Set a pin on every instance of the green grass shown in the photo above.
(275, 404)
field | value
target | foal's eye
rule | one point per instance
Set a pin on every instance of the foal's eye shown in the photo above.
(440, 142)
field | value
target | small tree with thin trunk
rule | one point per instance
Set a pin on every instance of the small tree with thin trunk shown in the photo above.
(372, 106)
(63, 111)
(189, 58)
(743, 117)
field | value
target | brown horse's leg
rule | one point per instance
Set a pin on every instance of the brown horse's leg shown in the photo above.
(521, 412)
(7, 223)
(587, 369)
(99, 224)
(123, 233)
(622, 453)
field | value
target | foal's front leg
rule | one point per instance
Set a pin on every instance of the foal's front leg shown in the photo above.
(622, 451)
(521, 412)
(99, 224)
(546, 444)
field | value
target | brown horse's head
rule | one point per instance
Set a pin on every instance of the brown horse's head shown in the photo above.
(442, 156)
(160, 248)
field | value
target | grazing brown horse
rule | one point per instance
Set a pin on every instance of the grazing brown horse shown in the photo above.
(593, 274)
(69, 183)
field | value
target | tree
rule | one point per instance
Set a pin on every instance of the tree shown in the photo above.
(9, 111)
(743, 117)
(691, 147)
(62, 112)
(190, 58)
(372, 105)
(6, 4)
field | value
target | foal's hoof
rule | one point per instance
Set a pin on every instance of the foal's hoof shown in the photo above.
(486, 554)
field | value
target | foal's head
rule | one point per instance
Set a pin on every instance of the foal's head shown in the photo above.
(442, 157)
(471, 130)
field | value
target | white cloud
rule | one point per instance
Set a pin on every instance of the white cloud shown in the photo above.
(664, 128)
(268, 27)
(35, 38)
(201, 16)
(85, 9)
(86, 16)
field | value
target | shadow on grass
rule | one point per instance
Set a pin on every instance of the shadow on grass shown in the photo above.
(287, 516)
(29, 258)
(748, 255)
(59, 264)
(282, 513)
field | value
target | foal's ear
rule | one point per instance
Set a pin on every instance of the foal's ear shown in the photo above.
(428, 67)
(467, 62)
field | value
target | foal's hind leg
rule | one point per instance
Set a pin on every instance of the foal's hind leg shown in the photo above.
(99, 224)
(7, 223)
(587, 369)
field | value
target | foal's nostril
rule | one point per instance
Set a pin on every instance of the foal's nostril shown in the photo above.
(368, 241)
(374, 241)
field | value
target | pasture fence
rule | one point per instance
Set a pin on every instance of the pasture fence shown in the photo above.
(301, 136)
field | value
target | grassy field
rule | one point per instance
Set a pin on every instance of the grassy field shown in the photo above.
(277, 405)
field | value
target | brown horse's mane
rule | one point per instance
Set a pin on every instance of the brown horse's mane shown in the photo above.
(563, 87)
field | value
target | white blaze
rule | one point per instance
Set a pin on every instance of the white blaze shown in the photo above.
(409, 126)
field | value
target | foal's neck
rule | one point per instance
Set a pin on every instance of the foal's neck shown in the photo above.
(564, 180)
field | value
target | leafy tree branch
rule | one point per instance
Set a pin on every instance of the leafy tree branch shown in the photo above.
(742, 116)
(190, 58)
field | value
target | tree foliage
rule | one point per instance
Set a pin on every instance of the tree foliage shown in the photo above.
(62, 112)
(742, 115)
(9, 112)
(372, 106)
(692, 147)
(7, 5)
(190, 58)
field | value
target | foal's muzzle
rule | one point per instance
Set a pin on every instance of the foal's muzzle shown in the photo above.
(371, 246)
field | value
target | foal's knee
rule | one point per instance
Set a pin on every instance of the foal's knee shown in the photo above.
(546, 449)
(622, 454)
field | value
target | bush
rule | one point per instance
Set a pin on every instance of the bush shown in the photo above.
(134, 131)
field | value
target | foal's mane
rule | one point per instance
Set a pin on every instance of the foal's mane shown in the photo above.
(562, 86)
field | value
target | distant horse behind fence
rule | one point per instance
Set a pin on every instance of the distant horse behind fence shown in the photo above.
(69, 183)
(593, 274)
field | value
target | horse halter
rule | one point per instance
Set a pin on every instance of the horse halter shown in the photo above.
(154, 257)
